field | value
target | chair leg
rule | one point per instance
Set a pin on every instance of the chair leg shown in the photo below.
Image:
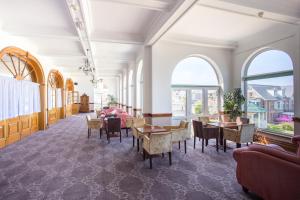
(217, 144)
(163, 155)
(224, 143)
(138, 144)
(120, 136)
(185, 146)
(238, 145)
(108, 139)
(170, 158)
(100, 132)
(150, 160)
(206, 142)
(133, 138)
(179, 145)
(194, 142)
(202, 145)
(247, 144)
(127, 132)
(88, 133)
(144, 154)
(245, 189)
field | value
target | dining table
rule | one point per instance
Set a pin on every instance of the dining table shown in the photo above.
(222, 125)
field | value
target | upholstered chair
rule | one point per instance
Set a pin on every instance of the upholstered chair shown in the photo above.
(205, 133)
(204, 119)
(94, 124)
(157, 143)
(129, 122)
(137, 123)
(180, 133)
(243, 120)
(244, 134)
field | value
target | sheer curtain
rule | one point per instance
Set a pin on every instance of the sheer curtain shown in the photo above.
(58, 97)
(18, 98)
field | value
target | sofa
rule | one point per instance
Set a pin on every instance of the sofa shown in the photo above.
(269, 171)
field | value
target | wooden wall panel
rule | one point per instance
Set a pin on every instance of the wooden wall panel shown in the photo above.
(75, 109)
(69, 110)
(3, 129)
(52, 116)
(25, 126)
(34, 122)
(13, 130)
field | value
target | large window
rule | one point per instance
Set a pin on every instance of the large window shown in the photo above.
(195, 88)
(139, 85)
(270, 92)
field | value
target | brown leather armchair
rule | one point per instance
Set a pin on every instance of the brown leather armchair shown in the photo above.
(270, 172)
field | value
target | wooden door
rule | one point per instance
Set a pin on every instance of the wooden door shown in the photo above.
(13, 130)
(25, 126)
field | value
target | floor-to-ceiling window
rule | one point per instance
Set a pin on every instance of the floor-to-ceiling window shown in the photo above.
(268, 86)
(195, 88)
(139, 86)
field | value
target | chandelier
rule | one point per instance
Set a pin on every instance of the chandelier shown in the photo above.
(87, 68)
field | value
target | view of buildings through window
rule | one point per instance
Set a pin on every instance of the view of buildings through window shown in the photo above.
(195, 88)
(270, 94)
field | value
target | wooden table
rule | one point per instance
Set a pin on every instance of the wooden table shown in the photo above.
(221, 125)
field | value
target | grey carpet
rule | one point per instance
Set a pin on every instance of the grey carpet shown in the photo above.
(61, 163)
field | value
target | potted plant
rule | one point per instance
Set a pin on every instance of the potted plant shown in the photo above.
(233, 101)
(111, 100)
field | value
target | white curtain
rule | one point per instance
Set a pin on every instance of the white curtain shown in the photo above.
(50, 106)
(18, 97)
(58, 98)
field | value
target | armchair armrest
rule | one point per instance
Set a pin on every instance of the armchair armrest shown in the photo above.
(171, 127)
(296, 139)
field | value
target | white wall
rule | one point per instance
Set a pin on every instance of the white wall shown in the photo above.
(165, 57)
(84, 86)
(285, 38)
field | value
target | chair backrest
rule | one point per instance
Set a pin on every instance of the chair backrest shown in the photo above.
(247, 132)
(138, 122)
(183, 124)
(204, 119)
(114, 124)
(88, 117)
(160, 142)
(198, 128)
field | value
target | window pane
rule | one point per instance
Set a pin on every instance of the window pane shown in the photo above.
(194, 71)
(270, 103)
(179, 103)
(212, 101)
(270, 61)
(197, 102)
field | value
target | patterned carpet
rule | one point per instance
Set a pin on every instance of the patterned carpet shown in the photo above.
(61, 163)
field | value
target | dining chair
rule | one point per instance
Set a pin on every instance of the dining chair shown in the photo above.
(94, 124)
(180, 133)
(157, 143)
(137, 123)
(205, 133)
(113, 126)
(244, 134)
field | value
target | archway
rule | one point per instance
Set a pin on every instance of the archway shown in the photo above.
(56, 98)
(195, 88)
(20, 121)
(269, 88)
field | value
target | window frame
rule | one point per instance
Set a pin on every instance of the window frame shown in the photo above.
(261, 76)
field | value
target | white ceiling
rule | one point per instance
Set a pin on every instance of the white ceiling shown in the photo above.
(115, 30)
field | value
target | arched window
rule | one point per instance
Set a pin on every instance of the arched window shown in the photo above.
(124, 89)
(55, 96)
(130, 86)
(139, 86)
(268, 85)
(195, 88)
